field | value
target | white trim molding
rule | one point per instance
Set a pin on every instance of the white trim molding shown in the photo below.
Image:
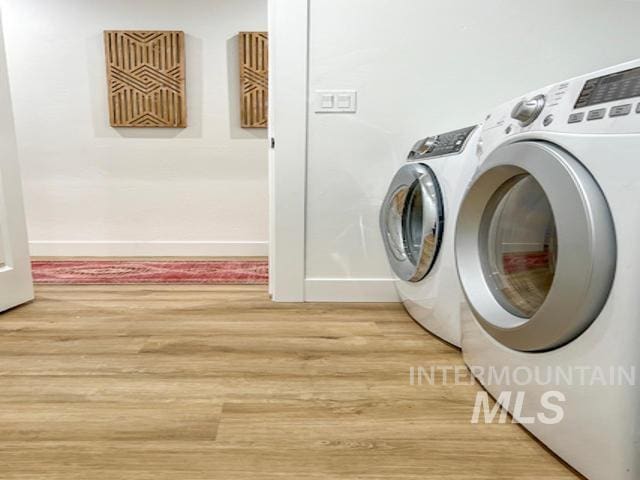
(148, 248)
(288, 82)
(350, 290)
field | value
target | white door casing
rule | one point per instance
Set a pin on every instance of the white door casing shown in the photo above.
(288, 87)
(16, 286)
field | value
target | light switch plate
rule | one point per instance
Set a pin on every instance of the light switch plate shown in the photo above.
(335, 101)
(327, 101)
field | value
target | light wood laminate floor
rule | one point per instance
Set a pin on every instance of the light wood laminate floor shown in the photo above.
(206, 382)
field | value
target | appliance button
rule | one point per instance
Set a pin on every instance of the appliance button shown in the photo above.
(596, 114)
(576, 117)
(620, 110)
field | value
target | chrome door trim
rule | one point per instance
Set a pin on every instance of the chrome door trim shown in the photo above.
(393, 217)
(586, 256)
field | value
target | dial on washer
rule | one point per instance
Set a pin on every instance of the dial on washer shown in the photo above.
(526, 111)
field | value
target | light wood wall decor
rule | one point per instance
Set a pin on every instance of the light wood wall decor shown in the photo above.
(254, 77)
(146, 76)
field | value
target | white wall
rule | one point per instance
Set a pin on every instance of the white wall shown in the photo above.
(422, 67)
(94, 190)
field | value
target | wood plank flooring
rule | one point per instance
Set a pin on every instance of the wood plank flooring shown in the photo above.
(218, 382)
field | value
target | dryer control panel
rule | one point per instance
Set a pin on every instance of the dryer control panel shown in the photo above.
(604, 102)
(448, 143)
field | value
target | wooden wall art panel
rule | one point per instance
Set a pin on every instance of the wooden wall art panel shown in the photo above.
(146, 76)
(254, 77)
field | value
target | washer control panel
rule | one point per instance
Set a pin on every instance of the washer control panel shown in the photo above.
(603, 102)
(448, 143)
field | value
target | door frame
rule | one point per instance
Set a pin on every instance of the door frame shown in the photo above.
(16, 284)
(288, 119)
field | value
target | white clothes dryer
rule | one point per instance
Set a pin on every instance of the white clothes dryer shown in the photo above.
(417, 222)
(548, 253)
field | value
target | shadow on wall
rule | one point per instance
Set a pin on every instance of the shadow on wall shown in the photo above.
(99, 95)
(233, 76)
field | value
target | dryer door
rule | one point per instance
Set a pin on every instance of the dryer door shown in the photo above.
(412, 221)
(535, 246)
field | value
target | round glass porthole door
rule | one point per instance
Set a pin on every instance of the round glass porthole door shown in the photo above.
(412, 221)
(521, 246)
(535, 246)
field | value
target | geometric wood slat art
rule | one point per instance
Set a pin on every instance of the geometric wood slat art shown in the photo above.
(146, 77)
(254, 78)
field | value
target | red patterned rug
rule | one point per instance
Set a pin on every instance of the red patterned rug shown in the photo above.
(101, 272)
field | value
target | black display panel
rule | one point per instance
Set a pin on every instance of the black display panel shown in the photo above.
(609, 88)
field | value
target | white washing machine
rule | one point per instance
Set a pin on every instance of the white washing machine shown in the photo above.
(548, 253)
(417, 221)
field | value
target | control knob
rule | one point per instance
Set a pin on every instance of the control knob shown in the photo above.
(526, 111)
(427, 145)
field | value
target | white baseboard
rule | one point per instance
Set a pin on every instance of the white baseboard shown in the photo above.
(146, 248)
(350, 290)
